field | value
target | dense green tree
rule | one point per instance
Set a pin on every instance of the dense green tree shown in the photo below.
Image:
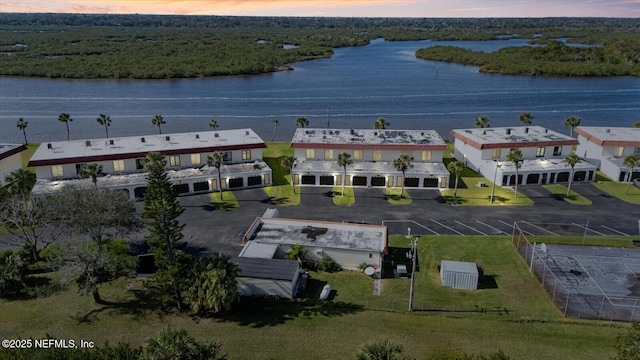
(84, 263)
(214, 288)
(66, 119)
(287, 162)
(213, 124)
(636, 124)
(158, 121)
(571, 160)
(482, 122)
(515, 156)
(403, 163)
(572, 122)
(381, 124)
(91, 171)
(13, 273)
(344, 160)
(22, 125)
(296, 252)
(104, 120)
(20, 182)
(380, 349)
(276, 123)
(216, 160)
(302, 122)
(456, 167)
(178, 345)
(161, 212)
(526, 118)
(631, 161)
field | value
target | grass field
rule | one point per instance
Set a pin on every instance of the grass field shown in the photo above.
(228, 201)
(347, 198)
(396, 198)
(311, 329)
(282, 193)
(618, 190)
(573, 197)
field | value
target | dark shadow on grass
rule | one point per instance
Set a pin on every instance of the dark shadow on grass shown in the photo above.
(144, 302)
(486, 281)
(35, 287)
(223, 205)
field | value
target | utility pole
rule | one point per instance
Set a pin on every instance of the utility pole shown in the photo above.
(414, 245)
(329, 117)
(495, 174)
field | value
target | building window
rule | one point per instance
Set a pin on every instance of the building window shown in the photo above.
(636, 151)
(195, 159)
(618, 151)
(228, 157)
(540, 152)
(328, 154)
(495, 154)
(118, 165)
(377, 155)
(357, 154)
(56, 171)
(79, 167)
(174, 160)
(557, 150)
(311, 154)
(246, 154)
(426, 155)
(140, 164)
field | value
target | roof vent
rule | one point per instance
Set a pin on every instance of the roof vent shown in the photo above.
(484, 132)
(88, 143)
(526, 130)
(246, 132)
(608, 131)
(508, 131)
(49, 146)
(546, 130)
(142, 139)
(110, 142)
(167, 138)
(422, 134)
(197, 136)
(352, 132)
(216, 135)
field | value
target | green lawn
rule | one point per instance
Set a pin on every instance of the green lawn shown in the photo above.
(346, 199)
(618, 190)
(301, 329)
(573, 197)
(228, 201)
(281, 192)
(396, 198)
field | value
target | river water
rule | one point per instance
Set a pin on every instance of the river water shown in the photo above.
(350, 90)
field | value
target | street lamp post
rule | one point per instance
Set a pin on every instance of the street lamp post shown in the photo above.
(495, 174)
(414, 245)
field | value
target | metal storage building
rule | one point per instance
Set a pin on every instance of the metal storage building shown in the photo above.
(459, 275)
(267, 277)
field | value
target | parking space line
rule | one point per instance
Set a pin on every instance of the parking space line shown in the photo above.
(588, 229)
(470, 228)
(492, 227)
(538, 227)
(443, 225)
(615, 231)
(511, 226)
(413, 222)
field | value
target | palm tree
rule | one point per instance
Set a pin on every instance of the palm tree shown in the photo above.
(20, 182)
(104, 120)
(216, 160)
(22, 125)
(403, 163)
(515, 156)
(456, 167)
(178, 345)
(91, 171)
(382, 349)
(381, 124)
(631, 161)
(158, 120)
(636, 124)
(571, 160)
(213, 124)
(482, 122)
(302, 122)
(526, 118)
(65, 118)
(288, 162)
(572, 122)
(344, 159)
(276, 123)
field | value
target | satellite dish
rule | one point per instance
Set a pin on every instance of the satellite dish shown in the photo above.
(369, 270)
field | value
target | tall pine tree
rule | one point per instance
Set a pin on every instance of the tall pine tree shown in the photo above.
(161, 212)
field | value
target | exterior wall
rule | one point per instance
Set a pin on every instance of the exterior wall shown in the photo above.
(367, 154)
(9, 164)
(267, 287)
(459, 280)
(469, 155)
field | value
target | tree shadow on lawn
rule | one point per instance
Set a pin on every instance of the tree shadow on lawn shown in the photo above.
(144, 303)
(261, 312)
(272, 200)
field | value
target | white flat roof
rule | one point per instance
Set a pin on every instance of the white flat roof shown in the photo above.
(606, 135)
(535, 165)
(253, 249)
(512, 137)
(7, 150)
(458, 267)
(58, 152)
(359, 137)
(361, 237)
(370, 167)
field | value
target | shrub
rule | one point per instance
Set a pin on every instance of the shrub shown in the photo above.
(329, 265)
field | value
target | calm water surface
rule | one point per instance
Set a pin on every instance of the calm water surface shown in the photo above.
(355, 87)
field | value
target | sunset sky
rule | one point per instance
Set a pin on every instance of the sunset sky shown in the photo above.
(347, 8)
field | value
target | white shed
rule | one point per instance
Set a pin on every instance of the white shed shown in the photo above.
(267, 277)
(459, 275)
